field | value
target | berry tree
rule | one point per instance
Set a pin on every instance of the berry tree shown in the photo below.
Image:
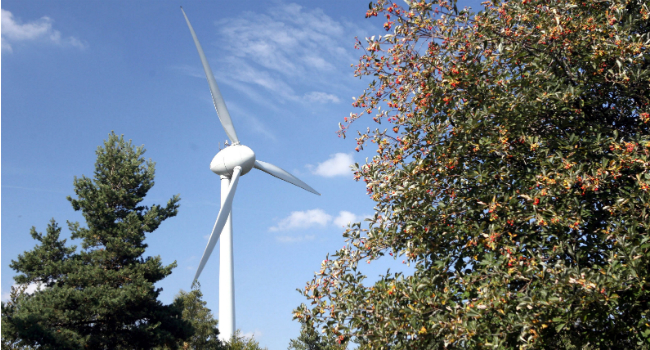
(513, 175)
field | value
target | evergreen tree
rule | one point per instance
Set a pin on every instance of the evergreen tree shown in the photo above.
(514, 175)
(241, 342)
(10, 338)
(206, 334)
(102, 297)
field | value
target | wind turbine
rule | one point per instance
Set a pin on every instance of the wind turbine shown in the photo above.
(230, 163)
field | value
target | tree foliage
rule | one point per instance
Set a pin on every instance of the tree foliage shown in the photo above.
(513, 175)
(206, 333)
(309, 339)
(242, 342)
(205, 327)
(10, 336)
(102, 297)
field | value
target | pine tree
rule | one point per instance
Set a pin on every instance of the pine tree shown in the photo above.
(102, 297)
(206, 333)
(241, 342)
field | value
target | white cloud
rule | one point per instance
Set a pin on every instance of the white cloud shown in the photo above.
(321, 97)
(288, 48)
(41, 29)
(254, 334)
(31, 288)
(303, 219)
(265, 79)
(345, 218)
(338, 165)
(310, 218)
(288, 39)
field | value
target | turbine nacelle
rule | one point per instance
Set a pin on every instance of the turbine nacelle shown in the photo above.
(230, 163)
(230, 157)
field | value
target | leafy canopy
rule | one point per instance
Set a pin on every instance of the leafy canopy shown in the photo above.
(513, 174)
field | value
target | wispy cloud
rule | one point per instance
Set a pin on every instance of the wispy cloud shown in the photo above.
(337, 165)
(252, 123)
(13, 31)
(254, 334)
(283, 58)
(302, 220)
(321, 97)
(286, 49)
(298, 220)
(249, 74)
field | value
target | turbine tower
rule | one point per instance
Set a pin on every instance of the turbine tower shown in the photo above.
(230, 163)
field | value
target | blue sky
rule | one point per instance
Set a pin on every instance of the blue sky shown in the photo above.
(73, 71)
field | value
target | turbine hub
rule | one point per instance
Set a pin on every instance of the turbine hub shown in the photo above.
(228, 158)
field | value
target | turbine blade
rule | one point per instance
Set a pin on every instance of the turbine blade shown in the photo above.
(219, 103)
(283, 175)
(226, 208)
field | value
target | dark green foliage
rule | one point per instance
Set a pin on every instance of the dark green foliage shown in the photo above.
(514, 175)
(240, 342)
(309, 339)
(10, 336)
(102, 297)
(204, 324)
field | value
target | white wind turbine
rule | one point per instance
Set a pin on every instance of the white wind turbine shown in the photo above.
(230, 163)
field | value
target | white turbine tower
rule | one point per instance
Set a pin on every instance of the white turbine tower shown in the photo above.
(230, 163)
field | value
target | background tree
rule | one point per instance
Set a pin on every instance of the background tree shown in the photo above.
(241, 342)
(309, 339)
(206, 333)
(514, 176)
(205, 326)
(102, 297)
